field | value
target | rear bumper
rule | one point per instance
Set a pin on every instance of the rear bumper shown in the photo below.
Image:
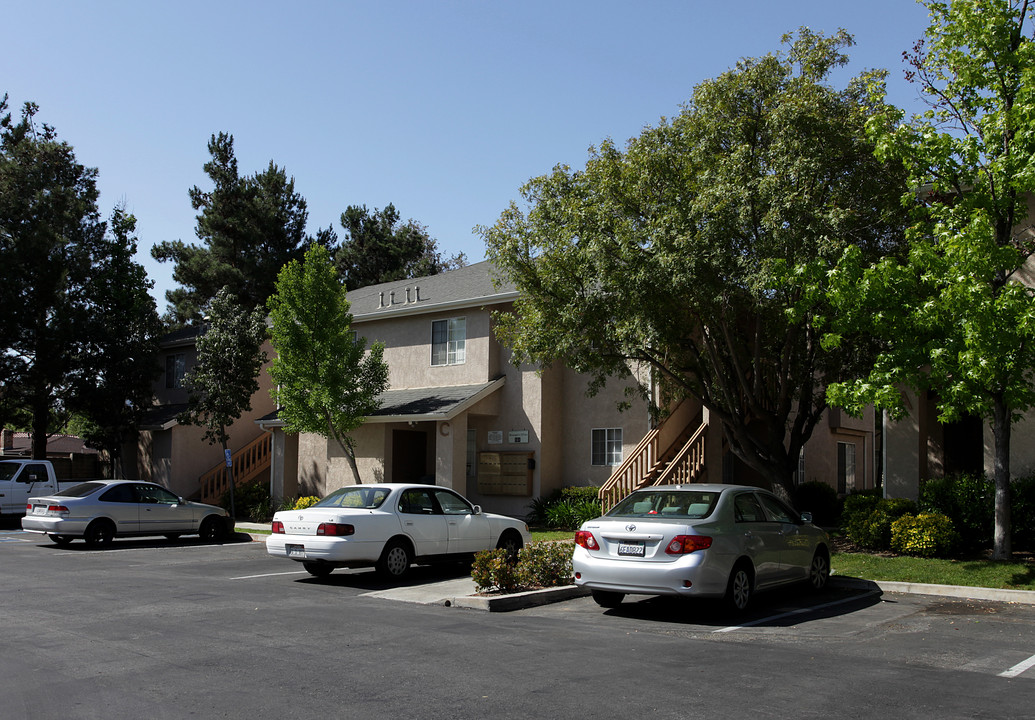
(325, 549)
(54, 525)
(705, 578)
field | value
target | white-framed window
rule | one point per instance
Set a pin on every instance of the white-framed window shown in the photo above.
(449, 341)
(845, 467)
(175, 368)
(607, 446)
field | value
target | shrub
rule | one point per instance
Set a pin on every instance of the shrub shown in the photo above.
(871, 528)
(819, 499)
(251, 502)
(537, 565)
(924, 535)
(1022, 513)
(967, 500)
(544, 564)
(494, 570)
(305, 501)
(566, 508)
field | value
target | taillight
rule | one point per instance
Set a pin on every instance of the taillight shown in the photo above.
(278, 528)
(683, 544)
(59, 510)
(584, 538)
(335, 529)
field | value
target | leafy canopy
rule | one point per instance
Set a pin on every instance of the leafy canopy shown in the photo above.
(698, 255)
(325, 380)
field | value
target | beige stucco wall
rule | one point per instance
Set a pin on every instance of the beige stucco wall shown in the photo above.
(821, 450)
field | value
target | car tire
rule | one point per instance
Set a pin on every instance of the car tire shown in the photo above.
(99, 532)
(318, 569)
(61, 540)
(212, 530)
(607, 598)
(740, 587)
(819, 570)
(395, 560)
(512, 542)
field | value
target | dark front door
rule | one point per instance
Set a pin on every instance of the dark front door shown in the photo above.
(409, 456)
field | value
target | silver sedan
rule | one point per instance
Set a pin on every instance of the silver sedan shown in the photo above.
(99, 510)
(723, 541)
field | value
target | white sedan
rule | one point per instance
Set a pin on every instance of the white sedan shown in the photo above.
(389, 526)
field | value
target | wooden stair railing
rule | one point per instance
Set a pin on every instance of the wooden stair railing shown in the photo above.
(640, 463)
(681, 462)
(249, 462)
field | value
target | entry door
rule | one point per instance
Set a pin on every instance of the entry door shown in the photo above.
(409, 456)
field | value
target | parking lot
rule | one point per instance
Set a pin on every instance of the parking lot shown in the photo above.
(179, 629)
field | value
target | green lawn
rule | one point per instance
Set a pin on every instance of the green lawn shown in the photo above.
(1017, 575)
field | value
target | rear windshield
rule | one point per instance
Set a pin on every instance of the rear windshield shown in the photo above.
(355, 497)
(681, 504)
(81, 490)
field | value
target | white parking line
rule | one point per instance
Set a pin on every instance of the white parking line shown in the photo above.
(1019, 668)
(249, 577)
(800, 611)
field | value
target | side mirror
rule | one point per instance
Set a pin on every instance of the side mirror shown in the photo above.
(477, 509)
(806, 517)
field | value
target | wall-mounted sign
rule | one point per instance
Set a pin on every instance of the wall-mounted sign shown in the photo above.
(495, 437)
(518, 436)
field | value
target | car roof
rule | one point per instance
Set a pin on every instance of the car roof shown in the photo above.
(700, 487)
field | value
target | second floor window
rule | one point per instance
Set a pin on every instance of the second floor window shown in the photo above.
(448, 341)
(175, 367)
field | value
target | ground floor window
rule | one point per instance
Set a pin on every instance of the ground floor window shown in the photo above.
(607, 446)
(845, 467)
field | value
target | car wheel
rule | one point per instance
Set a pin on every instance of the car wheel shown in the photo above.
(819, 570)
(511, 542)
(395, 560)
(607, 598)
(739, 587)
(99, 532)
(318, 569)
(61, 539)
(172, 536)
(211, 529)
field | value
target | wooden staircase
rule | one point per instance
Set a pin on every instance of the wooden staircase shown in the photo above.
(249, 462)
(681, 461)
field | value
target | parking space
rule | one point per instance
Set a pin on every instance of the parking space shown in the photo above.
(154, 575)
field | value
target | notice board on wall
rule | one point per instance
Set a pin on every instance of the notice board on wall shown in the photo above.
(505, 473)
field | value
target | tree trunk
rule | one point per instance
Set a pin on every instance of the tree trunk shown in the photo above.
(1001, 434)
(40, 423)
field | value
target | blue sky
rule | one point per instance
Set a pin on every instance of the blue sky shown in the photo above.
(443, 108)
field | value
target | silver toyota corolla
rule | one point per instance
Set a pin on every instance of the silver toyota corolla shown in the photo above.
(722, 541)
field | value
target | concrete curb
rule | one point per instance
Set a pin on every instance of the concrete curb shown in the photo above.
(954, 591)
(519, 600)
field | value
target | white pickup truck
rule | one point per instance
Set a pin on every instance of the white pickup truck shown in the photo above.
(20, 479)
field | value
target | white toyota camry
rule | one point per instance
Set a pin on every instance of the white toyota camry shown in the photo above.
(389, 526)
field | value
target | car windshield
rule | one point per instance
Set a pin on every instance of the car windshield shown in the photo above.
(682, 504)
(355, 497)
(8, 470)
(82, 489)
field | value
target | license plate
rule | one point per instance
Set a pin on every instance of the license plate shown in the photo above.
(295, 551)
(39, 509)
(635, 549)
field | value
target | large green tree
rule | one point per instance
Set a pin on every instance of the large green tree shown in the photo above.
(221, 384)
(111, 385)
(62, 271)
(248, 227)
(379, 248)
(326, 381)
(957, 315)
(699, 252)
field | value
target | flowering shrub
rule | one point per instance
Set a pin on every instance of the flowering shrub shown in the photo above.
(307, 501)
(868, 521)
(537, 565)
(924, 535)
